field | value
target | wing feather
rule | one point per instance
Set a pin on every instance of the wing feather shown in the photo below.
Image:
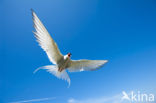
(85, 65)
(45, 40)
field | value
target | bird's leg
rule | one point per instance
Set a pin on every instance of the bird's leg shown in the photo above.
(60, 69)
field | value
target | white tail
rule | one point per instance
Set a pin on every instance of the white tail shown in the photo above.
(54, 70)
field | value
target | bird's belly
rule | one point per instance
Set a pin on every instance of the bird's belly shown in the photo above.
(63, 64)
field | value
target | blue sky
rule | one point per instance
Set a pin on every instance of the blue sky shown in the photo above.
(123, 32)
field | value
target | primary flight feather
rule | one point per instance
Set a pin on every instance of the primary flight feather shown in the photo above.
(61, 62)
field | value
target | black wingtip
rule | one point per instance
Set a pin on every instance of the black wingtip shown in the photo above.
(32, 11)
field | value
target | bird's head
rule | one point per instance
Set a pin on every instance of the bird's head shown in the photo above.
(69, 55)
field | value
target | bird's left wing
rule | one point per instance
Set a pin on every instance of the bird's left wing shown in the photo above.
(85, 65)
(45, 40)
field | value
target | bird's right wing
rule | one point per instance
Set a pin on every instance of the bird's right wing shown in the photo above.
(85, 65)
(45, 40)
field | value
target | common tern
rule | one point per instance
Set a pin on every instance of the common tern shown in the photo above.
(60, 62)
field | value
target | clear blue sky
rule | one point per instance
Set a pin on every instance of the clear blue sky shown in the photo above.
(121, 31)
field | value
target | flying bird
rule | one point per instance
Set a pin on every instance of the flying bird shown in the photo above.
(60, 62)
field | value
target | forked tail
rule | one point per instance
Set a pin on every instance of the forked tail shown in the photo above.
(54, 70)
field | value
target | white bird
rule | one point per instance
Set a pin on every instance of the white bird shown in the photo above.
(61, 63)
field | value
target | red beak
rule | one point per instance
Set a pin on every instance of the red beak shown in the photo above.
(69, 54)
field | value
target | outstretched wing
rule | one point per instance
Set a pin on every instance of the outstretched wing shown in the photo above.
(45, 40)
(85, 65)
